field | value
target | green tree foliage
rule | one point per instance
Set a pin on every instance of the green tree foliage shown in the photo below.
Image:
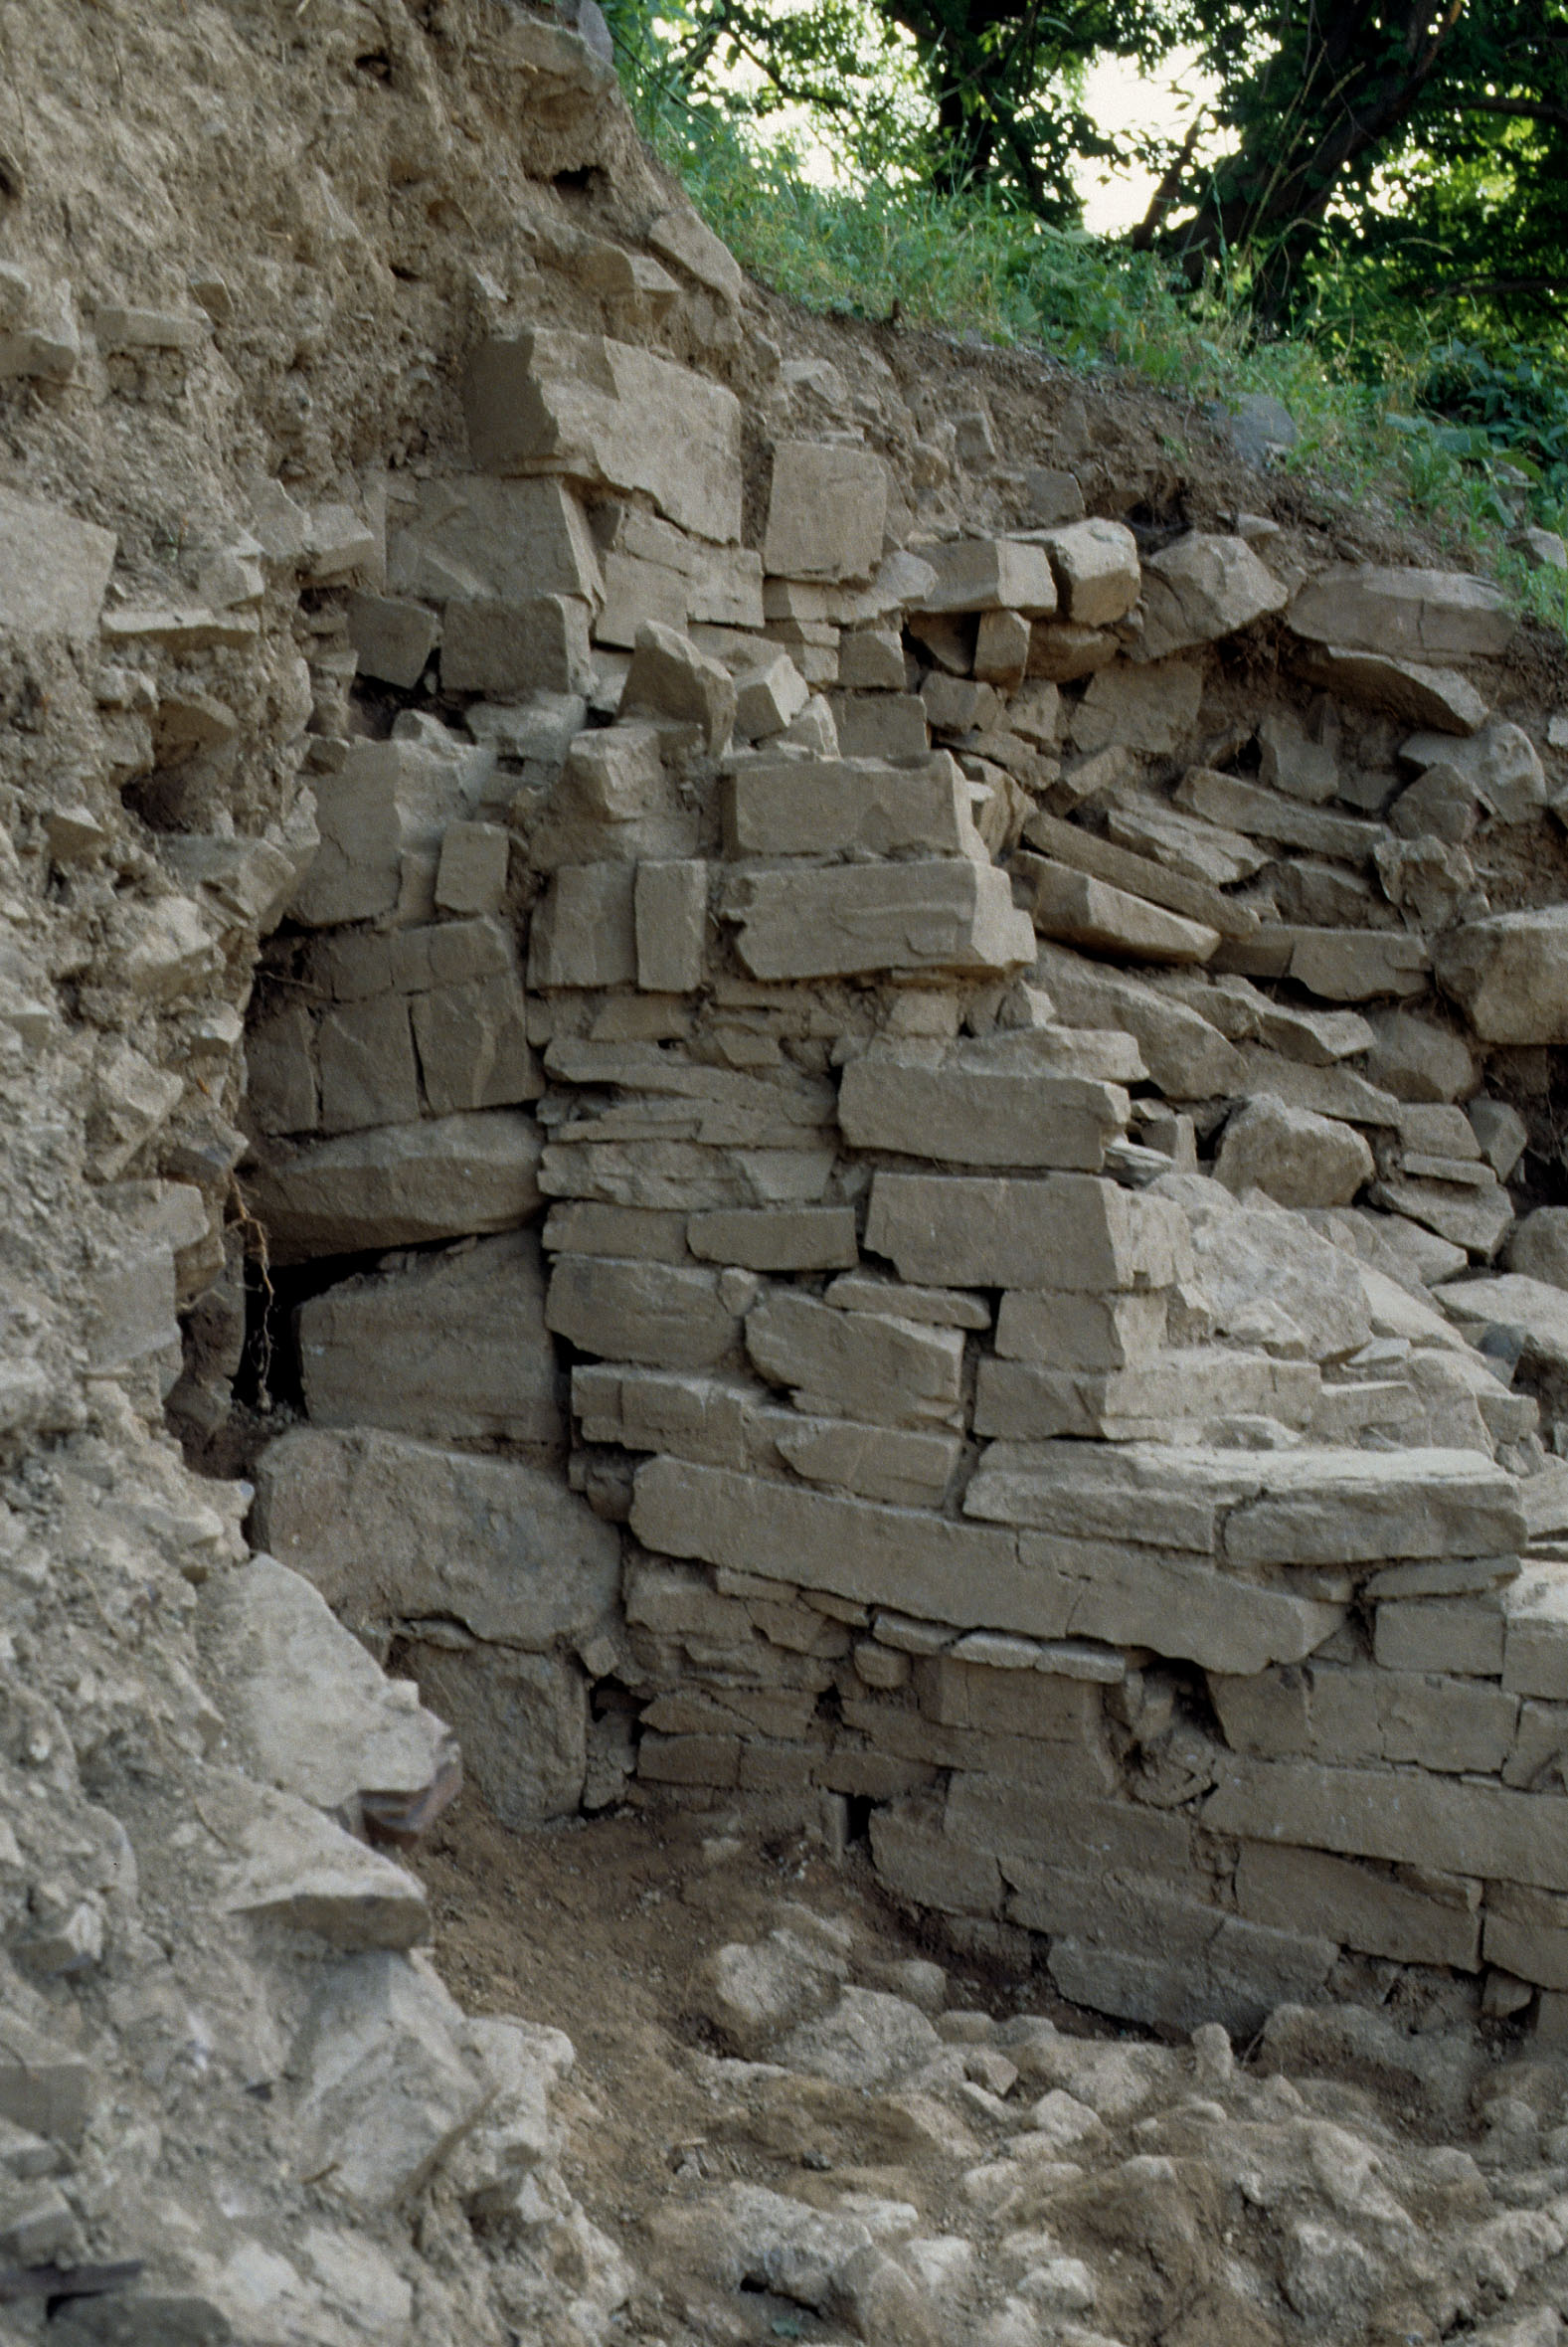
(1380, 152)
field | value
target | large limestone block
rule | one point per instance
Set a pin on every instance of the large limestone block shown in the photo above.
(1168, 1399)
(1230, 1973)
(670, 1314)
(1509, 974)
(670, 677)
(977, 1105)
(381, 819)
(298, 1870)
(1268, 815)
(523, 1722)
(1295, 1157)
(583, 932)
(398, 1185)
(826, 805)
(1349, 1507)
(1096, 571)
(471, 537)
(1400, 1814)
(602, 412)
(1538, 1249)
(1535, 1308)
(1140, 875)
(1361, 1907)
(1412, 614)
(1077, 910)
(517, 646)
(1067, 1231)
(1152, 709)
(1415, 1059)
(614, 801)
(784, 1238)
(1185, 1054)
(314, 1715)
(1155, 1494)
(1200, 588)
(392, 1530)
(858, 920)
(450, 1346)
(365, 1058)
(54, 571)
(1067, 1332)
(671, 914)
(1409, 690)
(989, 574)
(826, 513)
(1175, 1604)
(857, 1364)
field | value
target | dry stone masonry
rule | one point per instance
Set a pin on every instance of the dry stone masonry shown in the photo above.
(737, 1083)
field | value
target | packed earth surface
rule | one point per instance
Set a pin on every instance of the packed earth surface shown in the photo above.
(784, 1255)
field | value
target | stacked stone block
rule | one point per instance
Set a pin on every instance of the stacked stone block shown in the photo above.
(1136, 1552)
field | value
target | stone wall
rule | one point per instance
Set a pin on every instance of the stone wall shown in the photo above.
(1001, 1071)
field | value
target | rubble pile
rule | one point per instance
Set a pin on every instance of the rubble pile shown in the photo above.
(724, 1094)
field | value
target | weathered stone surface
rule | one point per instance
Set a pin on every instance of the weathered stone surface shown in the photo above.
(522, 1720)
(820, 806)
(450, 1346)
(583, 932)
(1266, 814)
(876, 725)
(991, 1104)
(1403, 1814)
(784, 1238)
(1500, 766)
(671, 914)
(300, 1871)
(1538, 1249)
(1337, 964)
(1415, 1059)
(1172, 1399)
(665, 1313)
(769, 697)
(1203, 851)
(514, 647)
(471, 538)
(670, 677)
(856, 1365)
(471, 874)
(392, 1530)
(1409, 690)
(54, 570)
(1070, 1331)
(1299, 1159)
(1289, 761)
(826, 513)
(1187, 1057)
(1096, 571)
(898, 918)
(1378, 1912)
(555, 402)
(988, 575)
(1414, 615)
(381, 819)
(1349, 1507)
(1200, 588)
(1076, 910)
(1153, 708)
(1068, 1231)
(1509, 974)
(1138, 876)
(1537, 1309)
(1474, 1219)
(314, 1715)
(1268, 1278)
(398, 1185)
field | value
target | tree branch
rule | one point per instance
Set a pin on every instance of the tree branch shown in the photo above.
(1533, 109)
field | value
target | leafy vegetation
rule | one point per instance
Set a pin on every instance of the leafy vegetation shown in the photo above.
(1391, 401)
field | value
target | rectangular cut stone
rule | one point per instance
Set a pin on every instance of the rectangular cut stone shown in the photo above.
(987, 575)
(1526, 1933)
(1155, 1402)
(1268, 814)
(582, 1228)
(1188, 1056)
(1070, 1331)
(977, 1111)
(1399, 1814)
(961, 1694)
(1535, 1652)
(1021, 1826)
(1349, 1507)
(820, 806)
(861, 919)
(1377, 1914)
(918, 1862)
(601, 410)
(855, 1364)
(1152, 1495)
(666, 1312)
(516, 646)
(398, 1185)
(1067, 1231)
(1140, 1597)
(1138, 876)
(826, 512)
(1080, 911)
(1416, 615)
(637, 592)
(938, 1308)
(470, 536)
(671, 914)
(785, 1238)
(904, 1467)
(1334, 1713)
(877, 725)
(452, 1347)
(1463, 1635)
(390, 803)
(584, 929)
